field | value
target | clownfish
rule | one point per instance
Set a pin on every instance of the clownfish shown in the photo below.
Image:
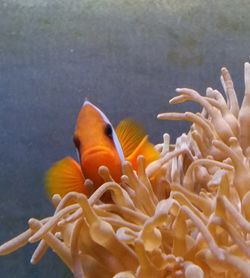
(97, 144)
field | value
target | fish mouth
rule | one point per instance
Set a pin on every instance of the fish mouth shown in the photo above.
(97, 151)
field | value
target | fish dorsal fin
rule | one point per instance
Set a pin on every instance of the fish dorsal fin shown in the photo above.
(65, 176)
(130, 134)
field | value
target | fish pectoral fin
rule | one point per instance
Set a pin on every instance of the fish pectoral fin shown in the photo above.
(65, 176)
(146, 149)
(130, 134)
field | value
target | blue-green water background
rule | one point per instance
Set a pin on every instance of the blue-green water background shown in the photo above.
(126, 56)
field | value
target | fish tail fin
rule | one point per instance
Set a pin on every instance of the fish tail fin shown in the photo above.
(65, 176)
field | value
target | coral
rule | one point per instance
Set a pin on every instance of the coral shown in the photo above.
(185, 215)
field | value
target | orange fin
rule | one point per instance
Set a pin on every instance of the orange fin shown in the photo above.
(65, 176)
(146, 149)
(130, 134)
(134, 142)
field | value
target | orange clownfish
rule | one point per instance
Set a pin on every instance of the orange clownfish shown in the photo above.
(97, 144)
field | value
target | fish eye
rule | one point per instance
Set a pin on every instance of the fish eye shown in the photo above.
(109, 131)
(76, 141)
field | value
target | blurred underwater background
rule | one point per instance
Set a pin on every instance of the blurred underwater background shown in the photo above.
(125, 56)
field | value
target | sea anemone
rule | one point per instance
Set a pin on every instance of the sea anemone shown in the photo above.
(185, 215)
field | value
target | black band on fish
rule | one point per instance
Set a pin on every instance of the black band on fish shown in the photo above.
(109, 131)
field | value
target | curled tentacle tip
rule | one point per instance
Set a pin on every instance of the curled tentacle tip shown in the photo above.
(56, 197)
(209, 92)
(32, 222)
(124, 177)
(166, 136)
(126, 162)
(88, 182)
(103, 170)
(58, 235)
(224, 69)
(62, 222)
(127, 165)
(215, 142)
(233, 140)
(187, 114)
(140, 158)
(104, 173)
(209, 157)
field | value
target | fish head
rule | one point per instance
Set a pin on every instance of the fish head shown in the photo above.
(97, 144)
